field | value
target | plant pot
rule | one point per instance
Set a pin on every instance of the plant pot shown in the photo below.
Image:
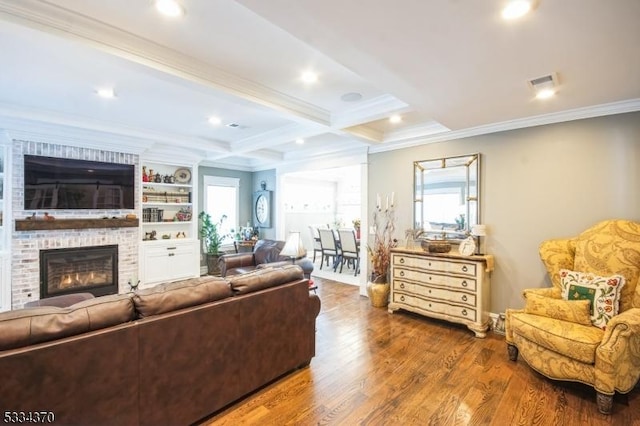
(213, 268)
(378, 294)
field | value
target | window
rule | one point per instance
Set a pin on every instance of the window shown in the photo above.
(221, 199)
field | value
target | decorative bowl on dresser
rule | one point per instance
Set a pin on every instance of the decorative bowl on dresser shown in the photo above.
(447, 286)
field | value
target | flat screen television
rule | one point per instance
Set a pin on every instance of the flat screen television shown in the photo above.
(62, 183)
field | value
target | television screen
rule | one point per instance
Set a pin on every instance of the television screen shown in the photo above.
(62, 183)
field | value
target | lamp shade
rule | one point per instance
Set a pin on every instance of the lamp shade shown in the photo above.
(293, 247)
(479, 230)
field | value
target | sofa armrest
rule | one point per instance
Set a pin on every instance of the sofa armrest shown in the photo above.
(230, 261)
(315, 305)
(617, 358)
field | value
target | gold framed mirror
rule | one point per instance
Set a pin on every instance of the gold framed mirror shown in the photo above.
(447, 196)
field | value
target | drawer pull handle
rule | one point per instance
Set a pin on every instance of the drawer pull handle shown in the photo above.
(429, 291)
(171, 254)
(464, 312)
(464, 268)
(402, 298)
(402, 273)
(464, 298)
(171, 248)
(401, 285)
(402, 260)
(429, 263)
(464, 283)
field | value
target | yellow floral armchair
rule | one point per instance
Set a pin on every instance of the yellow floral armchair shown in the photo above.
(556, 335)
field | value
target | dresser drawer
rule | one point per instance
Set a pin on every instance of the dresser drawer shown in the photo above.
(457, 297)
(436, 265)
(453, 282)
(437, 307)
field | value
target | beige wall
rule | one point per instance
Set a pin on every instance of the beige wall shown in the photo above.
(537, 183)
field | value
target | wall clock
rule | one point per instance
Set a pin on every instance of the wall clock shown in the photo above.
(262, 209)
(467, 247)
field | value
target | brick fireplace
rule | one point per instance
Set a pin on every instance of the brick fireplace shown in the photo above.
(26, 245)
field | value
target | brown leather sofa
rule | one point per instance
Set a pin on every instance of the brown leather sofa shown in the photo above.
(266, 253)
(173, 354)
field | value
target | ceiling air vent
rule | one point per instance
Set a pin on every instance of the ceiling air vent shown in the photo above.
(545, 86)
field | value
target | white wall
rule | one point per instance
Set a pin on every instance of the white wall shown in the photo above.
(542, 182)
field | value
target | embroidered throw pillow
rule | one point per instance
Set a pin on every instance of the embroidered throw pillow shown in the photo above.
(577, 311)
(602, 292)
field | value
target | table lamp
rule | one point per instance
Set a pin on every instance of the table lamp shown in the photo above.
(479, 231)
(293, 248)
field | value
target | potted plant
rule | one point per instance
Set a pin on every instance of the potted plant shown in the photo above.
(211, 240)
(380, 254)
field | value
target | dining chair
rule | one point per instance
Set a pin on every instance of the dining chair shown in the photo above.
(350, 249)
(330, 248)
(315, 238)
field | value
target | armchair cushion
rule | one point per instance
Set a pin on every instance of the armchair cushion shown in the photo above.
(577, 311)
(575, 341)
(602, 292)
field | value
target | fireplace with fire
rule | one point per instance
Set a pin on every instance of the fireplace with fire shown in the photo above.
(77, 270)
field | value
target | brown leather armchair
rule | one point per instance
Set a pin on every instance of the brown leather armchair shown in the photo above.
(266, 253)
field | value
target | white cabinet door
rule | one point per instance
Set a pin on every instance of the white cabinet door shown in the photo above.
(168, 261)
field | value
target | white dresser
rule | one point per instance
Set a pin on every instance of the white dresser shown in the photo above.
(446, 286)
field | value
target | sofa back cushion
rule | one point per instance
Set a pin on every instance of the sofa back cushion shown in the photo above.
(180, 294)
(29, 326)
(265, 278)
(267, 251)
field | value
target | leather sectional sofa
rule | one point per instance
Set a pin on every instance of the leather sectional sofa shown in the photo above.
(172, 354)
(266, 253)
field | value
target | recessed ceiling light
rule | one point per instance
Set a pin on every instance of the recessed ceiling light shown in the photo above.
(299, 141)
(309, 77)
(169, 8)
(395, 119)
(215, 120)
(107, 93)
(515, 9)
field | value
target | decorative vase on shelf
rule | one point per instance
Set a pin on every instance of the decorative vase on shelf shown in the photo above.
(378, 293)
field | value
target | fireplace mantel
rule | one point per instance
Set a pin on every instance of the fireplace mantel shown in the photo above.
(35, 225)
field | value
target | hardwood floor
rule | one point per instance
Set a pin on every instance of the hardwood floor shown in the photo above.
(375, 368)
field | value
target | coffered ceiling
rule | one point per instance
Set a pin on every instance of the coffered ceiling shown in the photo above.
(449, 68)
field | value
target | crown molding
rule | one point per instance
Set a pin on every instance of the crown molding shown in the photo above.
(275, 137)
(346, 157)
(229, 165)
(56, 20)
(366, 134)
(630, 105)
(49, 124)
(374, 109)
(421, 130)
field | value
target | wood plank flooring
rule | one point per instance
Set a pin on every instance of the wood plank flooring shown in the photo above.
(376, 368)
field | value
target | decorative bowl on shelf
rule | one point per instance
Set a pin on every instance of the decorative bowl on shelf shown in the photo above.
(183, 216)
(435, 246)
